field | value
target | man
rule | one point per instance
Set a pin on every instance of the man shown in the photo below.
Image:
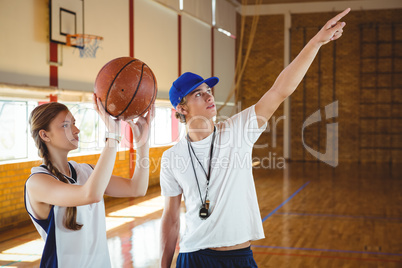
(211, 167)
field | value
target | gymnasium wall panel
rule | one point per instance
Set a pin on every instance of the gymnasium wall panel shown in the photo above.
(174, 4)
(199, 9)
(226, 15)
(196, 46)
(24, 45)
(156, 42)
(109, 19)
(224, 68)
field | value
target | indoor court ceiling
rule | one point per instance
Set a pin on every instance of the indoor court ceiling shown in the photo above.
(266, 2)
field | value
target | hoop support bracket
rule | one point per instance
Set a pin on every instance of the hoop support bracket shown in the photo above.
(56, 63)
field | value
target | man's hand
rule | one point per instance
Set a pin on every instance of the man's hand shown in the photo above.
(332, 30)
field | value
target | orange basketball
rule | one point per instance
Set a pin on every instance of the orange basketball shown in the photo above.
(127, 87)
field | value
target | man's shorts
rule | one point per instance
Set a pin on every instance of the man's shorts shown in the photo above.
(208, 258)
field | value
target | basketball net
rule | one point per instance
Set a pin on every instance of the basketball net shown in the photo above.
(86, 43)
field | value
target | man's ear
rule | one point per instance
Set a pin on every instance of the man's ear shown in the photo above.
(182, 109)
(43, 135)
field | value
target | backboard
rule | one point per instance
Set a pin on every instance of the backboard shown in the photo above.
(66, 17)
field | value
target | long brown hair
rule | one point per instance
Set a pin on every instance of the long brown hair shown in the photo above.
(40, 118)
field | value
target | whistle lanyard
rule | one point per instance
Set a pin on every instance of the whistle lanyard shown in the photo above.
(209, 168)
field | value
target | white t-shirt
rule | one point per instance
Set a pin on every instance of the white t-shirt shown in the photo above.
(86, 247)
(235, 216)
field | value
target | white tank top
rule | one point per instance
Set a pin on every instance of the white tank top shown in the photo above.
(66, 248)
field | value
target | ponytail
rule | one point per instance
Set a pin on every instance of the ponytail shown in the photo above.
(40, 118)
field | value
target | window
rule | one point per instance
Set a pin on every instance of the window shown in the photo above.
(16, 142)
(92, 130)
(161, 132)
(14, 129)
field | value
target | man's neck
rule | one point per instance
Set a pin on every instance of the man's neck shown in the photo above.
(200, 130)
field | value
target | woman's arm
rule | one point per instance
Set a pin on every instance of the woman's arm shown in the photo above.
(138, 184)
(44, 189)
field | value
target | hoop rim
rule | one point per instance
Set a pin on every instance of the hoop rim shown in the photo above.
(87, 38)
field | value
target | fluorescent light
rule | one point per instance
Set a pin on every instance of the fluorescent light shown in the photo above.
(226, 33)
(213, 12)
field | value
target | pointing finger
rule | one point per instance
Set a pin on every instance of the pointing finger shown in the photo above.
(332, 22)
(342, 14)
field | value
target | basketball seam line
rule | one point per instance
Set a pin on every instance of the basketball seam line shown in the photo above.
(111, 84)
(136, 90)
(153, 96)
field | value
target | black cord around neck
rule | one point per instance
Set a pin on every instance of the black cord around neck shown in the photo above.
(208, 176)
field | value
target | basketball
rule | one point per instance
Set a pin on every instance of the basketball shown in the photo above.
(127, 87)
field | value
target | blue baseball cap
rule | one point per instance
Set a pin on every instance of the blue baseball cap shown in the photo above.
(186, 83)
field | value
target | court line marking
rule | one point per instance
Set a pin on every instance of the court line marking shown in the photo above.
(331, 250)
(328, 257)
(284, 202)
(338, 216)
(322, 250)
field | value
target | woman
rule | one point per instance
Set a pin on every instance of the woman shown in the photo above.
(65, 199)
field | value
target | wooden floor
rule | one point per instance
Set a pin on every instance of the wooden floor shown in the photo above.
(313, 216)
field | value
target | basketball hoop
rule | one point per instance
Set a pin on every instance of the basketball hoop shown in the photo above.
(87, 44)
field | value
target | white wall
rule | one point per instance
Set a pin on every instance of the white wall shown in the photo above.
(156, 42)
(196, 46)
(109, 19)
(225, 56)
(24, 46)
(224, 68)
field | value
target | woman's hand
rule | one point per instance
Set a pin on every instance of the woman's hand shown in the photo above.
(112, 124)
(332, 30)
(142, 127)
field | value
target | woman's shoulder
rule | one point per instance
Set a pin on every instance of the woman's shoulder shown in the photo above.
(42, 169)
(81, 165)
